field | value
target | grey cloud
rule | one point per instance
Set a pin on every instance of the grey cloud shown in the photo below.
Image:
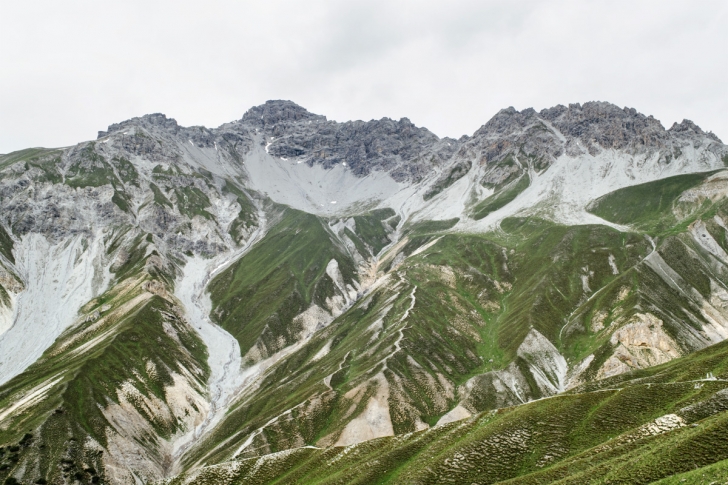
(71, 68)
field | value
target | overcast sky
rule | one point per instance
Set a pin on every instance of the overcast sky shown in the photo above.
(70, 68)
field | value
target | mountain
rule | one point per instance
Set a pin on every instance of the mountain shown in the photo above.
(288, 299)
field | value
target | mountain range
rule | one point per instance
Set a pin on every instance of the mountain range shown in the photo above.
(289, 299)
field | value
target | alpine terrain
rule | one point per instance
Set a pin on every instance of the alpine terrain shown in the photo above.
(289, 299)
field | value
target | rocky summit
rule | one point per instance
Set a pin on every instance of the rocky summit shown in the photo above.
(289, 299)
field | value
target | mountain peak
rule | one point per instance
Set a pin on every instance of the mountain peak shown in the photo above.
(276, 111)
(688, 127)
(149, 120)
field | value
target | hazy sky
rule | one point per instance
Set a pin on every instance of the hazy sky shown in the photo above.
(70, 68)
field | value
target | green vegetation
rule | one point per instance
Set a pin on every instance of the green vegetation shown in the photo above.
(551, 261)
(501, 198)
(430, 227)
(258, 296)
(6, 245)
(588, 436)
(715, 473)
(371, 231)
(131, 339)
(456, 172)
(42, 159)
(90, 170)
(647, 206)
(192, 202)
(248, 214)
(127, 171)
(444, 327)
(27, 155)
(508, 165)
(159, 197)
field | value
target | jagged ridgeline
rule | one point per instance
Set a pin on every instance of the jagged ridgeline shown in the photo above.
(289, 299)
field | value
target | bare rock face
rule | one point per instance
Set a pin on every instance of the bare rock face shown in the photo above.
(167, 180)
(588, 128)
(640, 343)
(397, 147)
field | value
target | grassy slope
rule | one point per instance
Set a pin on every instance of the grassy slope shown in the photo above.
(357, 351)
(588, 436)
(88, 380)
(530, 275)
(6, 245)
(258, 296)
(551, 260)
(501, 198)
(647, 206)
(370, 229)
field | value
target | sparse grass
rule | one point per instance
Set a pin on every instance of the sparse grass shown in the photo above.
(6, 245)
(192, 202)
(247, 217)
(587, 437)
(456, 173)
(501, 198)
(27, 155)
(159, 197)
(142, 347)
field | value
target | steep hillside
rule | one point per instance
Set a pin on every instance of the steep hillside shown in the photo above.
(289, 299)
(636, 428)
